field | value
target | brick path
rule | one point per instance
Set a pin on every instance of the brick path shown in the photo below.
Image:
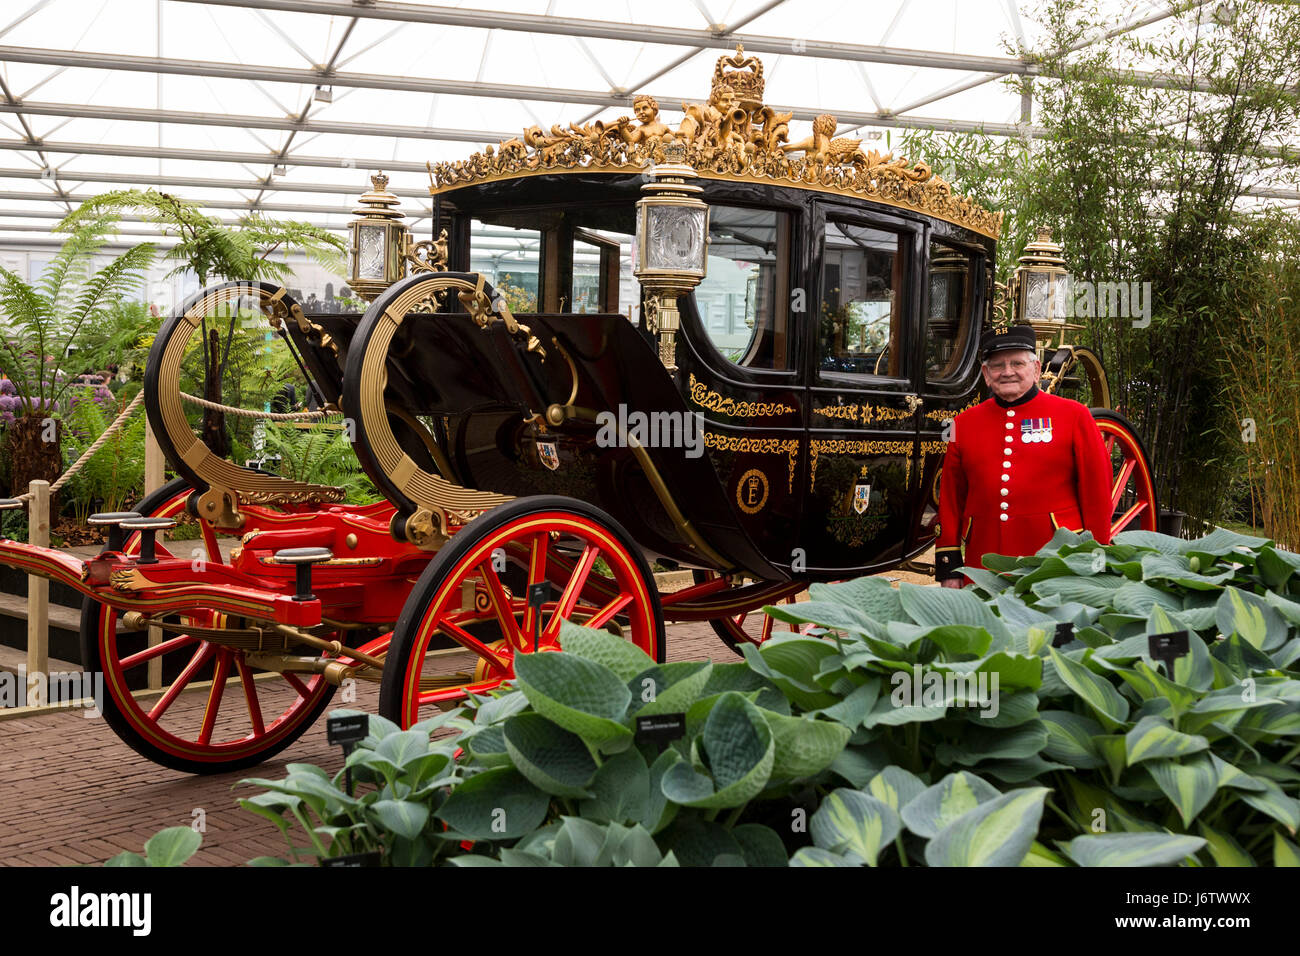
(72, 793)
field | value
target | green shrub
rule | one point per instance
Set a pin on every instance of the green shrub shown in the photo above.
(927, 726)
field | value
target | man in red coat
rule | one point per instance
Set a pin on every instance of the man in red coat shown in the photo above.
(1018, 466)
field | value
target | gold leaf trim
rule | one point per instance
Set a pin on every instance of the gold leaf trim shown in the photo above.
(733, 136)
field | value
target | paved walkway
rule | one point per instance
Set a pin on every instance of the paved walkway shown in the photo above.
(72, 793)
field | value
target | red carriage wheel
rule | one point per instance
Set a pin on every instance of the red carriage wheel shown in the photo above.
(468, 615)
(1132, 488)
(241, 722)
(749, 626)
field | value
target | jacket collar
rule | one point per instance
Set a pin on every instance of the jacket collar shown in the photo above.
(1033, 390)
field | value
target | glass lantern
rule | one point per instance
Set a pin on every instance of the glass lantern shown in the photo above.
(672, 242)
(1044, 294)
(379, 239)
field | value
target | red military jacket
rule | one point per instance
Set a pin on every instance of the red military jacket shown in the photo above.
(1015, 473)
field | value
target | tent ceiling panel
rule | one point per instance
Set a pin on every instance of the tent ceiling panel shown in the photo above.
(239, 76)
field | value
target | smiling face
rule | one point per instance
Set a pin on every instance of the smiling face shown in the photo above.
(1011, 373)
(645, 109)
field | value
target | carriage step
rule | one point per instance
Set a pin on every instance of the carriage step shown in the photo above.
(65, 627)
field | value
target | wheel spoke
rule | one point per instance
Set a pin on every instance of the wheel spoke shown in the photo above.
(151, 652)
(571, 590)
(472, 643)
(609, 610)
(501, 604)
(1121, 479)
(219, 675)
(293, 681)
(250, 696)
(457, 692)
(1128, 517)
(536, 574)
(201, 656)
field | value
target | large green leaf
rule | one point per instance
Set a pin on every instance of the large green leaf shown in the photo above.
(804, 746)
(497, 804)
(1165, 544)
(852, 822)
(1223, 848)
(1252, 617)
(895, 786)
(793, 664)
(1285, 853)
(601, 647)
(583, 697)
(1221, 541)
(1138, 598)
(816, 856)
(937, 806)
(406, 818)
(760, 845)
(998, 832)
(620, 791)
(981, 743)
(1096, 692)
(1154, 738)
(740, 751)
(1274, 802)
(554, 760)
(668, 688)
(1069, 739)
(1132, 849)
(172, 846)
(937, 607)
(1095, 591)
(1189, 784)
(872, 596)
(828, 614)
(853, 709)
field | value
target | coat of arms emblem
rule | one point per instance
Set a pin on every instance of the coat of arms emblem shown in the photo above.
(861, 493)
(549, 454)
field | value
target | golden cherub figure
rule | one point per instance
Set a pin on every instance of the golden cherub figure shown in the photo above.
(821, 148)
(646, 108)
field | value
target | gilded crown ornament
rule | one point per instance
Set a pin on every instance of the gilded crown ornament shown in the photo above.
(730, 136)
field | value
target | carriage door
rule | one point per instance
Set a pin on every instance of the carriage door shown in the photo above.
(862, 454)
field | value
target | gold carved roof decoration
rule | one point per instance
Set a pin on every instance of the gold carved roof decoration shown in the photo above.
(733, 135)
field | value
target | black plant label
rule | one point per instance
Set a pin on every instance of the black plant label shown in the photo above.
(660, 729)
(349, 729)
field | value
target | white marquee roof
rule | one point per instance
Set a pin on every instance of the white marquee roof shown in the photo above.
(215, 100)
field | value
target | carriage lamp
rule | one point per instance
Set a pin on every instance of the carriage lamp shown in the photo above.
(379, 240)
(672, 229)
(1042, 289)
(382, 246)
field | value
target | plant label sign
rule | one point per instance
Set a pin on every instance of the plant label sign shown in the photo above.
(373, 858)
(660, 729)
(348, 729)
(1168, 647)
(539, 593)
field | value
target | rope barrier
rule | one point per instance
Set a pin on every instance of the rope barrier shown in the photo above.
(250, 413)
(112, 429)
(109, 432)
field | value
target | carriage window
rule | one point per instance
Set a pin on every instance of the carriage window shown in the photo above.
(508, 256)
(950, 323)
(743, 302)
(860, 329)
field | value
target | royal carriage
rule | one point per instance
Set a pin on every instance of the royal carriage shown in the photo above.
(762, 402)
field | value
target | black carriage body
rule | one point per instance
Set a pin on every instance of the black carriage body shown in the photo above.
(816, 469)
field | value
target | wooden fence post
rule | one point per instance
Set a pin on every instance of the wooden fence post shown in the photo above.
(38, 598)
